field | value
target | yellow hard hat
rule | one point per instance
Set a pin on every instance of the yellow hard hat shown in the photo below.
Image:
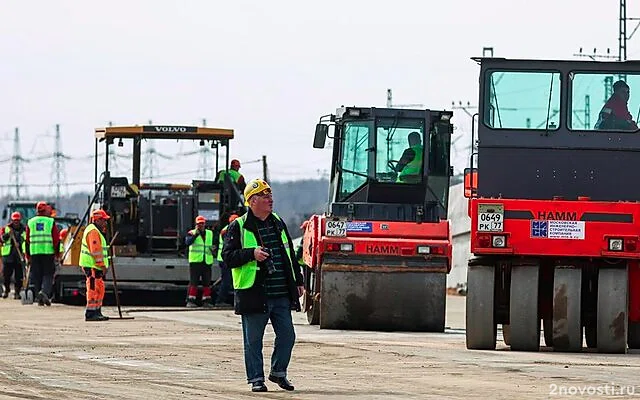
(255, 186)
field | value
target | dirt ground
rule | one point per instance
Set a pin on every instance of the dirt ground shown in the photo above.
(51, 353)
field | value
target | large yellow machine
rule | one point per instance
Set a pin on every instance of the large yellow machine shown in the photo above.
(151, 219)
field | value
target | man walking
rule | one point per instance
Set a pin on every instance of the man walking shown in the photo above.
(267, 282)
(42, 248)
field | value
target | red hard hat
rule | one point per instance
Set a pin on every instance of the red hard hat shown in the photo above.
(235, 163)
(41, 206)
(99, 214)
(16, 216)
(200, 219)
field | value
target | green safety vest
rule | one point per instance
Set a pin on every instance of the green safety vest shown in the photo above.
(220, 243)
(235, 175)
(245, 276)
(6, 248)
(415, 166)
(40, 240)
(86, 257)
(199, 249)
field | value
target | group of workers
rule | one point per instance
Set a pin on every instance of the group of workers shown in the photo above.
(37, 244)
(255, 253)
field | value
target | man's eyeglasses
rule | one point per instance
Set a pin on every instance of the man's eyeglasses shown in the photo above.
(264, 193)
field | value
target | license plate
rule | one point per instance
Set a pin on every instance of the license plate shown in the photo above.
(119, 191)
(490, 217)
(336, 228)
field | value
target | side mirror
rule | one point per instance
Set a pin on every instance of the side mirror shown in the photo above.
(321, 136)
(470, 182)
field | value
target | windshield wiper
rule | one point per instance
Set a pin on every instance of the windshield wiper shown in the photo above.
(549, 105)
(495, 97)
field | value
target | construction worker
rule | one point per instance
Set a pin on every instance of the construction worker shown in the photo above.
(225, 272)
(13, 237)
(94, 260)
(409, 166)
(234, 174)
(300, 248)
(63, 235)
(615, 113)
(267, 282)
(200, 242)
(42, 251)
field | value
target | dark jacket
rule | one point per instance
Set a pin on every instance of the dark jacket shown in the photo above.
(254, 299)
(13, 256)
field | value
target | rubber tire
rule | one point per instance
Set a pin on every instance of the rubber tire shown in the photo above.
(480, 324)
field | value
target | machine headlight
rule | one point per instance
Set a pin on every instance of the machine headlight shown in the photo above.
(346, 246)
(424, 250)
(616, 245)
(499, 241)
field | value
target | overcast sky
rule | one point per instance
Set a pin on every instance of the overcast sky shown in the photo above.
(266, 69)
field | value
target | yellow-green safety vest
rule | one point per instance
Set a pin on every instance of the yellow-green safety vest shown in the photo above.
(199, 249)
(6, 248)
(415, 166)
(220, 243)
(40, 240)
(86, 257)
(245, 276)
(235, 175)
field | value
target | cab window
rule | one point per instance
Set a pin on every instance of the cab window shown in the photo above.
(522, 100)
(354, 159)
(399, 150)
(602, 101)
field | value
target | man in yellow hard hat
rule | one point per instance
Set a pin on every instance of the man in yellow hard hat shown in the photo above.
(267, 281)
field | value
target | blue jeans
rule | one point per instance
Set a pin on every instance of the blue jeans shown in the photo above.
(253, 325)
(224, 289)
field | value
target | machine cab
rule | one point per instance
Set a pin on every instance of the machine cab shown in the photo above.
(556, 129)
(154, 217)
(388, 164)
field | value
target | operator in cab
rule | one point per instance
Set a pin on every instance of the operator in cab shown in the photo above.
(409, 166)
(615, 113)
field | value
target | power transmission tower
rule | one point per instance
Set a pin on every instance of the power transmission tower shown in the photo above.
(622, 34)
(59, 178)
(113, 157)
(204, 163)
(391, 105)
(149, 159)
(16, 178)
(151, 162)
